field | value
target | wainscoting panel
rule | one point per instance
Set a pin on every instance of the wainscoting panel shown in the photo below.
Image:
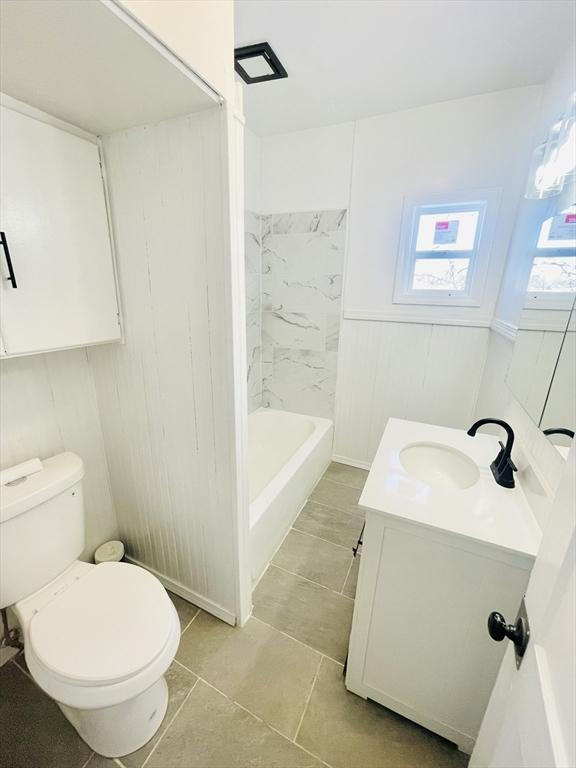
(166, 395)
(428, 373)
(48, 405)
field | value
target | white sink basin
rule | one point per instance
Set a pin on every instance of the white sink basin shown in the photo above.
(439, 465)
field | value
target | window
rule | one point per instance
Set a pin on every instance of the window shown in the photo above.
(443, 251)
(552, 281)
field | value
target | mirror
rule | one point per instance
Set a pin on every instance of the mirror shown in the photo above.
(560, 407)
(542, 374)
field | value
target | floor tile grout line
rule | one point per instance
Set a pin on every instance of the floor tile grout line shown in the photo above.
(24, 671)
(310, 692)
(317, 583)
(346, 485)
(346, 579)
(313, 536)
(292, 741)
(271, 626)
(155, 747)
(331, 506)
(84, 765)
(248, 711)
(190, 622)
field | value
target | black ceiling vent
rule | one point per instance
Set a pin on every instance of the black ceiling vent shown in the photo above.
(258, 63)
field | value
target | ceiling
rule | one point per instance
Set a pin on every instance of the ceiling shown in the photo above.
(348, 59)
(78, 61)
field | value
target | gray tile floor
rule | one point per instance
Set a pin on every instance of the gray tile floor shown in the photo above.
(269, 695)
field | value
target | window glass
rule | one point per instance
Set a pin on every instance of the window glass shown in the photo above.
(553, 274)
(447, 231)
(440, 274)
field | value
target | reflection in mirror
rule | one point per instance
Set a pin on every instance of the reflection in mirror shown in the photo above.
(560, 408)
(542, 373)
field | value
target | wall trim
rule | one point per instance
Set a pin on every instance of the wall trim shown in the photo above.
(352, 462)
(507, 330)
(188, 594)
(413, 317)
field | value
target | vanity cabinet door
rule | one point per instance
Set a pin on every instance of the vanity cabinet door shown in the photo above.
(58, 283)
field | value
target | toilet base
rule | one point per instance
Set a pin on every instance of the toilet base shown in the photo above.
(123, 728)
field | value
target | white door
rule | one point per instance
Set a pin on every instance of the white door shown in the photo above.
(58, 284)
(531, 718)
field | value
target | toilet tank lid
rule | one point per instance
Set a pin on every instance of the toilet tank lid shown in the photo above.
(57, 474)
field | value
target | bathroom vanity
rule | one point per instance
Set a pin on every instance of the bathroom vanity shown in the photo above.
(444, 545)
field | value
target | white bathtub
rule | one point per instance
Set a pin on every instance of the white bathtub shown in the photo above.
(287, 455)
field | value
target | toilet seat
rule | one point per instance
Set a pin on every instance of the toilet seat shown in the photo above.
(103, 638)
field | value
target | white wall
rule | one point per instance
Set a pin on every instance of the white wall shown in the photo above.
(481, 142)
(252, 172)
(48, 405)
(166, 396)
(307, 170)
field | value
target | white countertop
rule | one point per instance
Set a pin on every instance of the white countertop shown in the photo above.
(485, 512)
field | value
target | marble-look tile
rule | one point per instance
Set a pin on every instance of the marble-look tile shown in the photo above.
(257, 666)
(33, 730)
(253, 294)
(346, 475)
(305, 271)
(252, 253)
(303, 381)
(347, 731)
(213, 732)
(180, 683)
(337, 495)
(306, 611)
(352, 578)
(185, 610)
(253, 330)
(294, 330)
(315, 559)
(330, 523)
(265, 225)
(332, 332)
(311, 221)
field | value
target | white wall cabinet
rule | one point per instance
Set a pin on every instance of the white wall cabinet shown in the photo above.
(58, 282)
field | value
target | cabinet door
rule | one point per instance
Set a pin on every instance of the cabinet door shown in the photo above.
(53, 216)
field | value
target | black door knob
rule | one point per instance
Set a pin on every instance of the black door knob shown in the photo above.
(518, 633)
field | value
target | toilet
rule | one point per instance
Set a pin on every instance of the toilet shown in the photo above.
(97, 638)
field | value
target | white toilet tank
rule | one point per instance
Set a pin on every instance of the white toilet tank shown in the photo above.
(41, 526)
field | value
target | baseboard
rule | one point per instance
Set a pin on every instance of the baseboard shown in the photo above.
(352, 462)
(188, 594)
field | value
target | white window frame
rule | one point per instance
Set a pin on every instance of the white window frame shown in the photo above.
(487, 202)
(560, 300)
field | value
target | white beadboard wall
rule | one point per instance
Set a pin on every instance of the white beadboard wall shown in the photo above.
(48, 405)
(166, 396)
(416, 371)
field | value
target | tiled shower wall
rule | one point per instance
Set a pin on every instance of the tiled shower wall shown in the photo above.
(294, 322)
(253, 256)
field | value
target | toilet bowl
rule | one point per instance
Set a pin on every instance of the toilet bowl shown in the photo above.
(97, 638)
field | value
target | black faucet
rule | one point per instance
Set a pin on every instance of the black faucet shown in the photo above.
(559, 431)
(502, 467)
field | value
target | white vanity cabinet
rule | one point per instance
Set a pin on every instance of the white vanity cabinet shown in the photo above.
(435, 563)
(58, 282)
